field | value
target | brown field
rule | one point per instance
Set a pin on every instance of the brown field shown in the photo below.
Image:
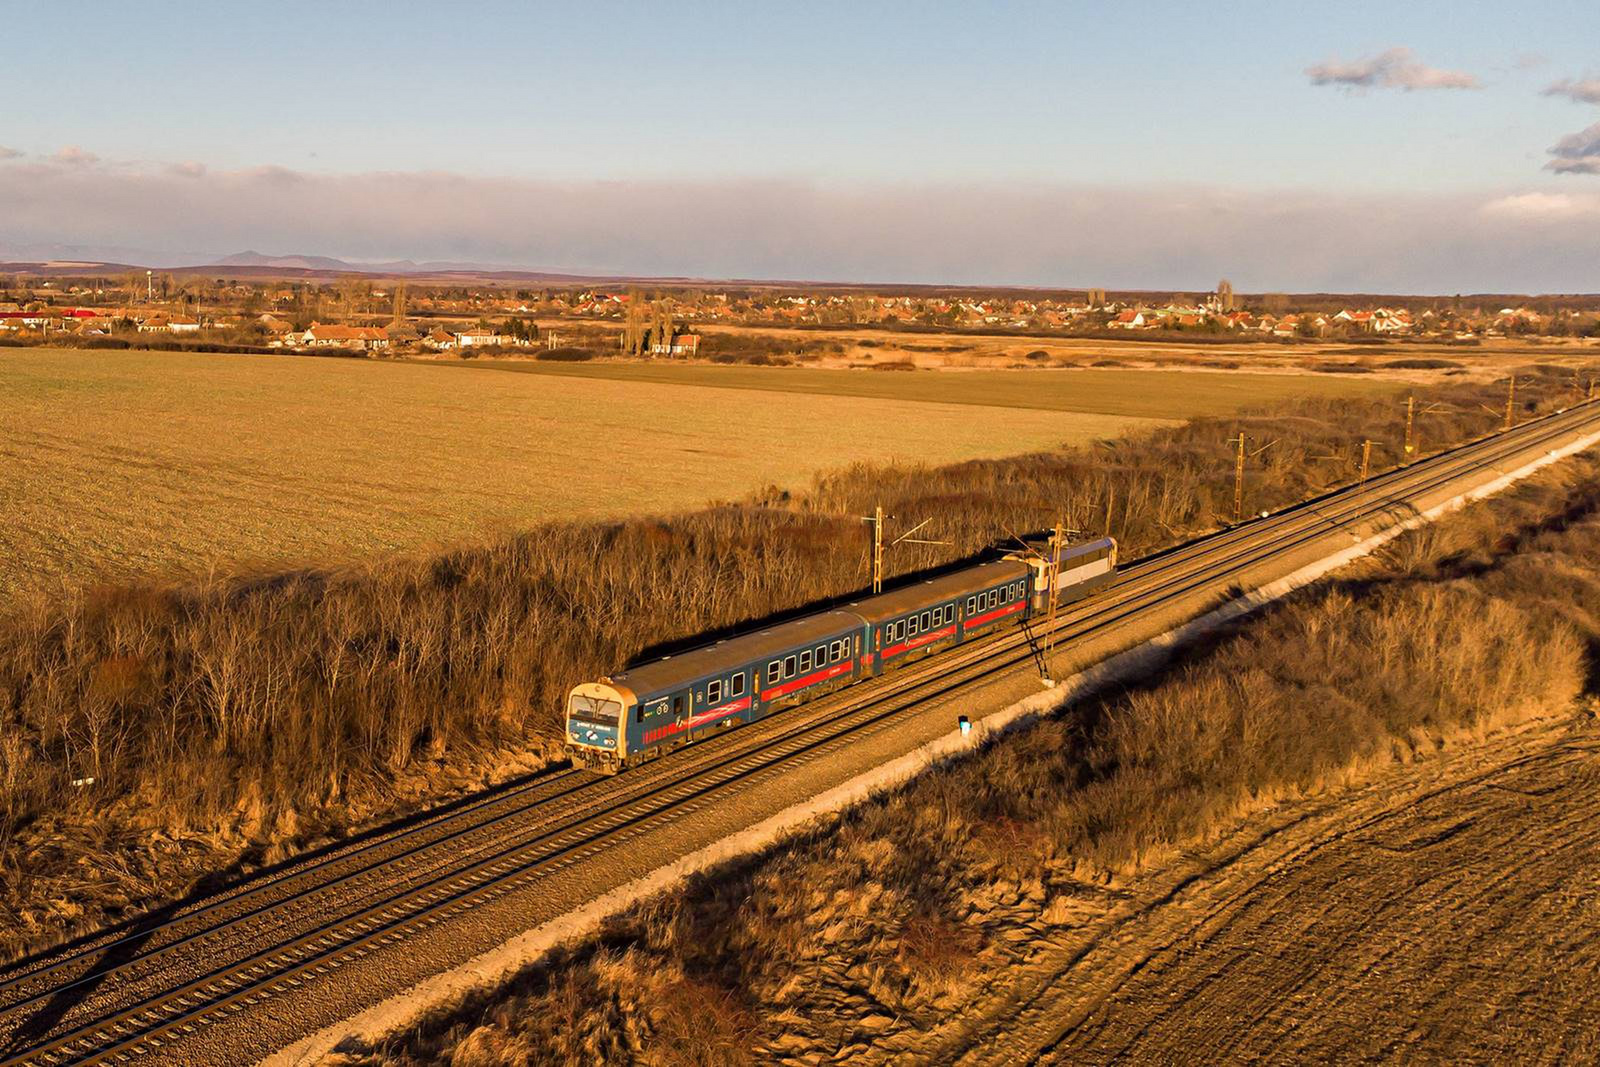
(956, 349)
(1363, 826)
(1125, 392)
(118, 464)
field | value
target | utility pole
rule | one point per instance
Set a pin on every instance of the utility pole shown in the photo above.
(1366, 459)
(1238, 479)
(1411, 415)
(1238, 473)
(149, 287)
(876, 518)
(1052, 590)
(1511, 400)
(877, 549)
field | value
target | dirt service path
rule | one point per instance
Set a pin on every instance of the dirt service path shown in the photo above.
(1449, 911)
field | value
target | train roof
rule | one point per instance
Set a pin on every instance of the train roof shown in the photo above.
(968, 580)
(675, 672)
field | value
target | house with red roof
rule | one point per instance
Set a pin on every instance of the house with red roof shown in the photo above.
(336, 336)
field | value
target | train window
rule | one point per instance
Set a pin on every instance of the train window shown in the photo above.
(926, 620)
(972, 604)
(994, 598)
(833, 652)
(805, 660)
(788, 666)
(821, 659)
(677, 705)
(738, 685)
(714, 692)
(774, 671)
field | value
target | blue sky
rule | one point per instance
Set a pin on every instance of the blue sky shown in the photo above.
(718, 111)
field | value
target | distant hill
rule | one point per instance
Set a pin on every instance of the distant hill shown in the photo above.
(397, 266)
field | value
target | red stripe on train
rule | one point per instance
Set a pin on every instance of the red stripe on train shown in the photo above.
(786, 688)
(917, 642)
(979, 620)
(720, 711)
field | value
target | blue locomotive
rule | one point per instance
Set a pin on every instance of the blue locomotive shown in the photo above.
(655, 707)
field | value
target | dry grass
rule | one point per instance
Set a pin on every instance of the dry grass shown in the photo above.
(894, 914)
(1133, 393)
(249, 709)
(119, 465)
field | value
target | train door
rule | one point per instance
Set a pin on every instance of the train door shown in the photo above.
(682, 711)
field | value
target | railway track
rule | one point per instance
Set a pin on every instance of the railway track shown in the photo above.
(138, 990)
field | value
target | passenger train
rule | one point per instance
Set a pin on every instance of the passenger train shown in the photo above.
(655, 707)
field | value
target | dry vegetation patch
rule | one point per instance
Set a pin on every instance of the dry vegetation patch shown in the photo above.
(890, 917)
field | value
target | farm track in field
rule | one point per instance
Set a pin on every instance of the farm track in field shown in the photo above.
(150, 987)
(1443, 913)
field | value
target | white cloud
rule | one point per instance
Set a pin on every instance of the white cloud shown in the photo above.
(1544, 207)
(1577, 153)
(1582, 91)
(73, 156)
(1397, 68)
(188, 169)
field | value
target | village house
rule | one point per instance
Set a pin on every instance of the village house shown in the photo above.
(685, 344)
(1386, 320)
(401, 333)
(439, 339)
(333, 336)
(478, 338)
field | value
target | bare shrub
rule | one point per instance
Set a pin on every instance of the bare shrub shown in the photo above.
(931, 946)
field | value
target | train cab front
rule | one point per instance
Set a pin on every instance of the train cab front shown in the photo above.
(597, 726)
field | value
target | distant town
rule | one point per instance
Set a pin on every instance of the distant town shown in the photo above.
(375, 315)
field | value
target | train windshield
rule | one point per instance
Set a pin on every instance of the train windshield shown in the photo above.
(594, 710)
